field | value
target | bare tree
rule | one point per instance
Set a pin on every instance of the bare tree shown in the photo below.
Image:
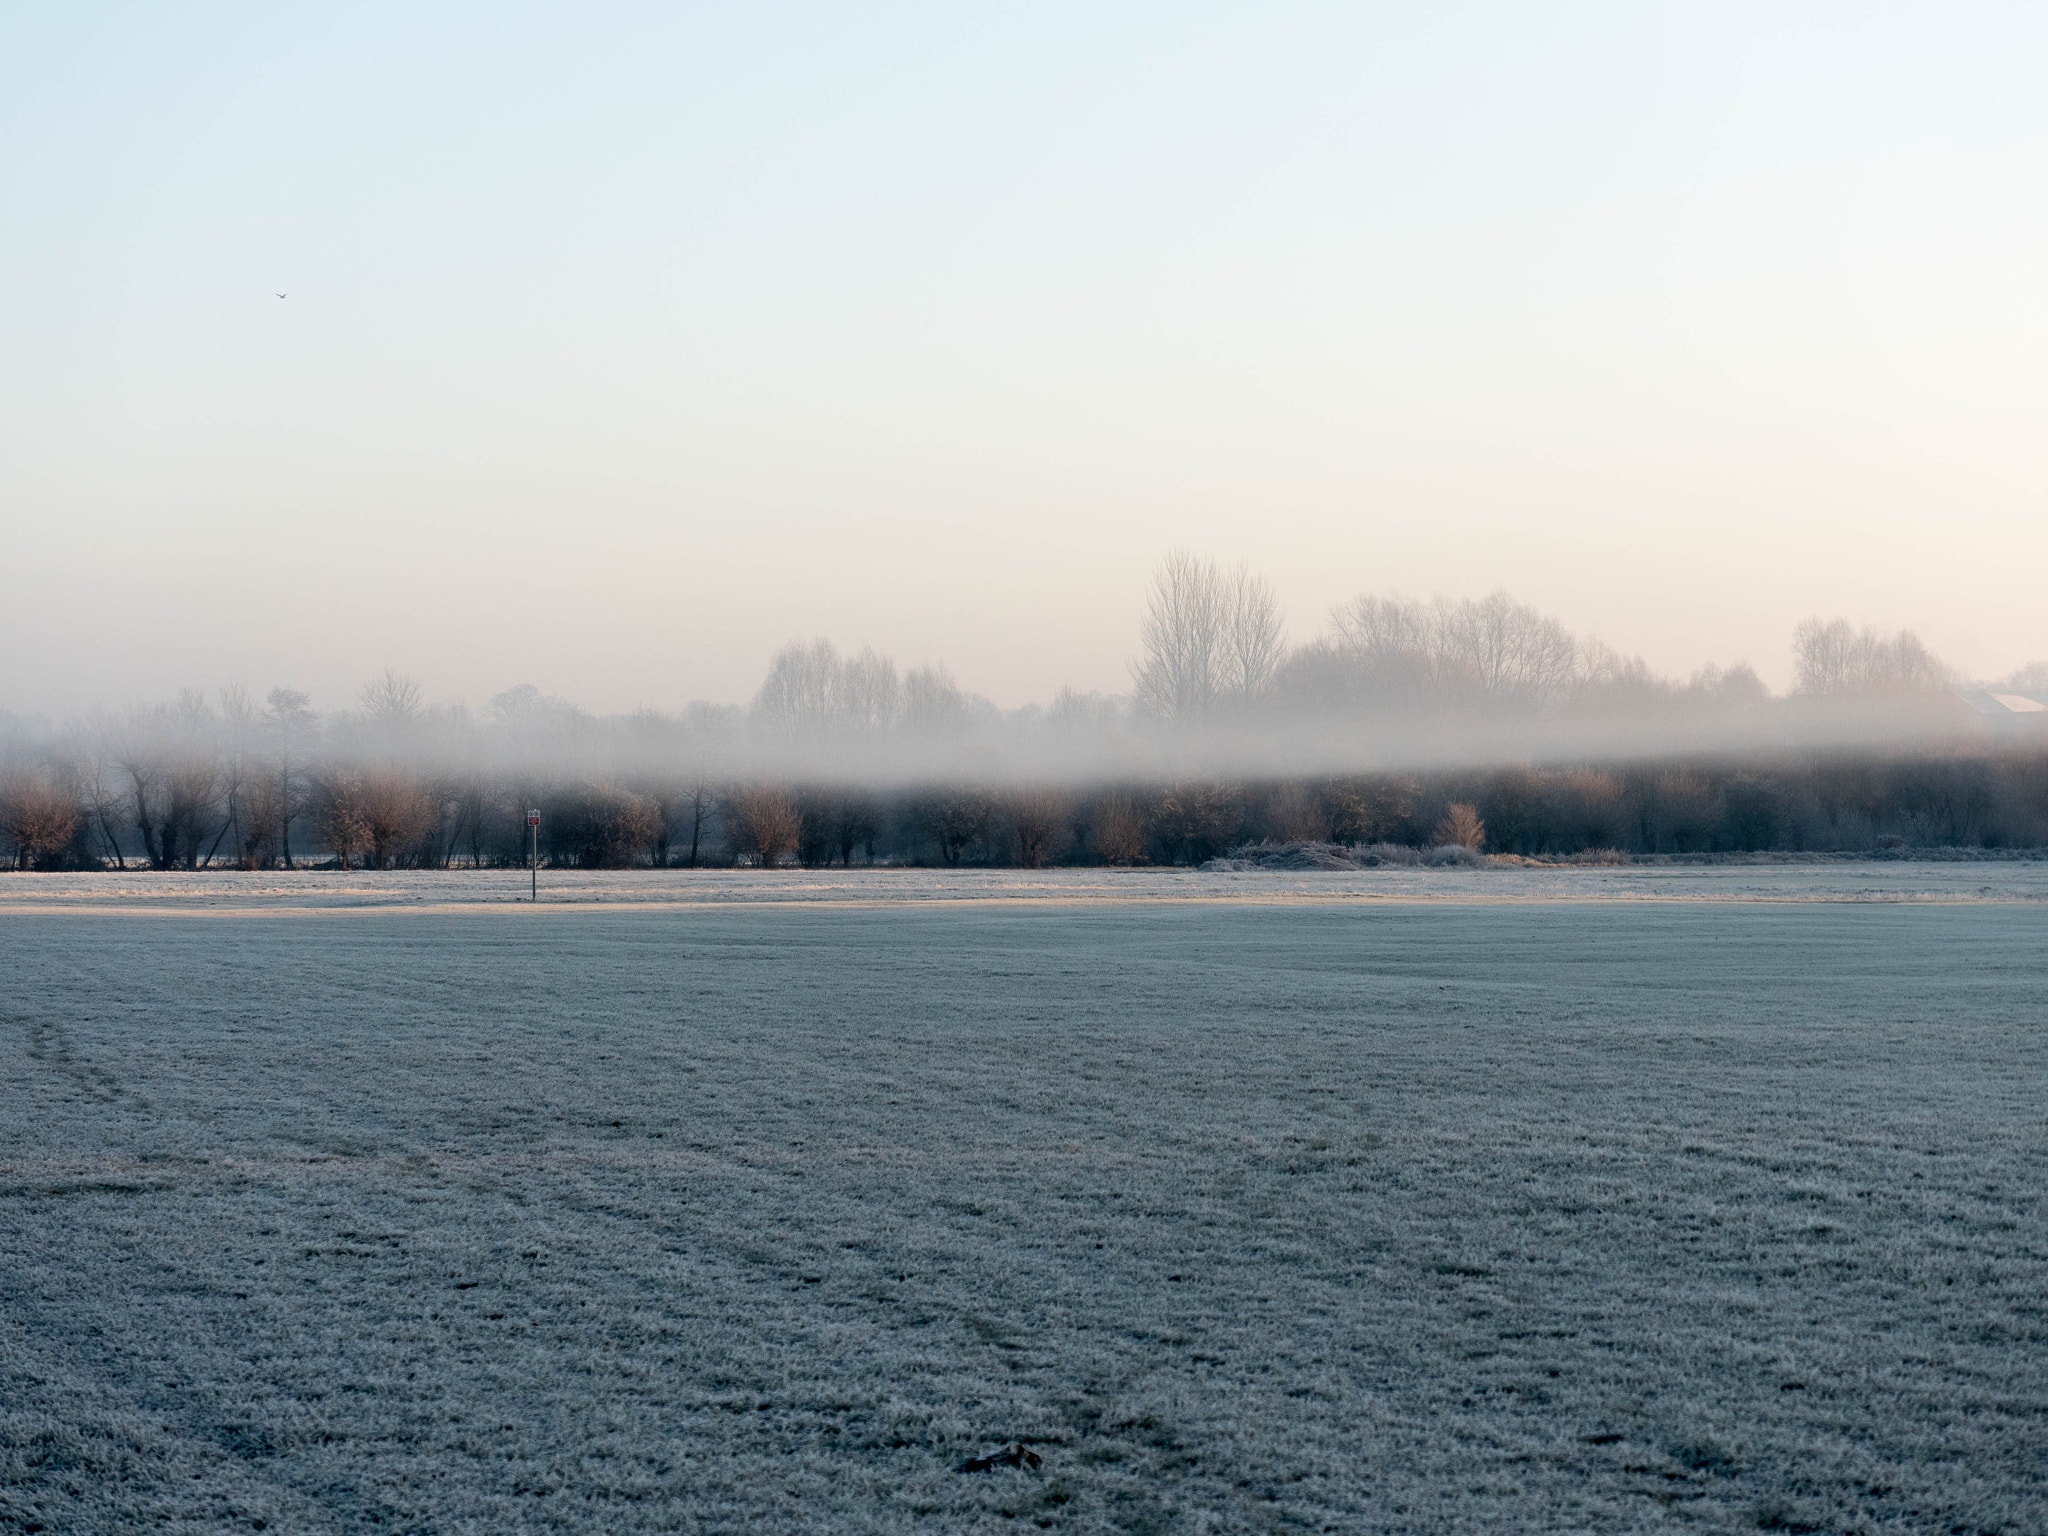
(768, 821)
(1386, 655)
(1196, 819)
(1509, 650)
(1182, 638)
(396, 812)
(700, 803)
(866, 694)
(1038, 815)
(344, 824)
(173, 775)
(1461, 827)
(1119, 831)
(262, 818)
(1368, 808)
(1252, 646)
(797, 697)
(854, 822)
(817, 834)
(472, 802)
(391, 699)
(1383, 626)
(601, 826)
(99, 794)
(1393, 653)
(953, 818)
(38, 813)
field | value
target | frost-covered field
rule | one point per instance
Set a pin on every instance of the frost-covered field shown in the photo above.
(664, 1212)
(1991, 879)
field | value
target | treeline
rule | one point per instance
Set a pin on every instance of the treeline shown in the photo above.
(189, 809)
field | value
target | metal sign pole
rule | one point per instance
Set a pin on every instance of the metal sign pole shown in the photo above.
(533, 868)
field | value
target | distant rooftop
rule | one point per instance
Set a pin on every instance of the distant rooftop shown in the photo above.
(2005, 705)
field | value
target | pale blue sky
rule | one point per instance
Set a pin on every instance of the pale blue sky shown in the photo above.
(625, 342)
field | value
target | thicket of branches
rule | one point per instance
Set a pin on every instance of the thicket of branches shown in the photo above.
(1227, 735)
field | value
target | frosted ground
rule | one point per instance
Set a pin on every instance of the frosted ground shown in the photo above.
(1510, 1201)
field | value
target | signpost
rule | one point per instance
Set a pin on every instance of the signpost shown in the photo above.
(533, 868)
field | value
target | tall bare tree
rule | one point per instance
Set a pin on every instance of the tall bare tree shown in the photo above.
(99, 794)
(799, 694)
(1252, 644)
(1182, 637)
(168, 757)
(1511, 651)
(392, 699)
(1038, 817)
(866, 693)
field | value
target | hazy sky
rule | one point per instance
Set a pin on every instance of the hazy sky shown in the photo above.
(626, 342)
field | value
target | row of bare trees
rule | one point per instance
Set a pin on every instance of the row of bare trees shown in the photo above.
(1833, 659)
(1213, 653)
(812, 691)
(1815, 802)
(396, 818)
(223, 781)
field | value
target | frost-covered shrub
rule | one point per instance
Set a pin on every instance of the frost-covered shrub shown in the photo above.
(1444, 856)
(1248, 857)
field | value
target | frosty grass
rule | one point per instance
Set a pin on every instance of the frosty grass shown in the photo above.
(1349, 1216)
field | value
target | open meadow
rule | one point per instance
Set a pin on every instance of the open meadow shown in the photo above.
(1608, 1200)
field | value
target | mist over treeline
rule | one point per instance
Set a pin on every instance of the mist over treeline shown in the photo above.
(1405, 722)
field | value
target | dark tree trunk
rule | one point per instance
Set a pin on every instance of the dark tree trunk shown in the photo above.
(284, 831)
(234, 820)
(150, 846)
(113, 842)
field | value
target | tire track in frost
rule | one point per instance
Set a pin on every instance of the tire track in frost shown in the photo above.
(82, 1448)
(1116, 1452)
(50, 1045)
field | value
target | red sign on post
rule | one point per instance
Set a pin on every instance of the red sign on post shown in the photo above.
(533, 818)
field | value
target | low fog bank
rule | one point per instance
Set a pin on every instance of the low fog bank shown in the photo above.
(1397, 719)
